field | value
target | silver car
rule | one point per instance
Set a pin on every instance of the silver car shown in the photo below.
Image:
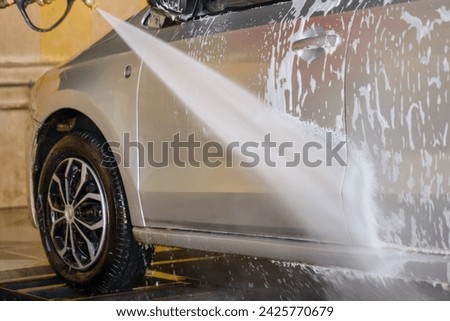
(129, 141)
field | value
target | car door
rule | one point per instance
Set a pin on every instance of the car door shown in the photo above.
(291, 55)
(398, 110)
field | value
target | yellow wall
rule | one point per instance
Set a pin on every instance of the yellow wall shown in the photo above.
(82, 27)
(24, 56)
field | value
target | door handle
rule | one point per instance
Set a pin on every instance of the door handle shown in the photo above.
(314, 42)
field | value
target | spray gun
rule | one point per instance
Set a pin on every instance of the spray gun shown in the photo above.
(23, 6)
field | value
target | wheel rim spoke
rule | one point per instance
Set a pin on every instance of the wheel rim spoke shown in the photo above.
(66, 180)
(60, 220)
(90, 245)
(91, 196)
(74, 247)
(53, 207)
(63, 251)
(58, 182)
(81, 183)
(92, 227)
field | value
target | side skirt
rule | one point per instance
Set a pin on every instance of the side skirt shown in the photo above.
(390, 262)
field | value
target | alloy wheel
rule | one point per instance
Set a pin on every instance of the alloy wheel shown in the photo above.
(78, 219)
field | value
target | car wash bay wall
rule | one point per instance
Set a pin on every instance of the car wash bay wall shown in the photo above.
(24, 56)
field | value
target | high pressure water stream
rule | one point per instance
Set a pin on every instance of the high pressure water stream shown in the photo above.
(236, 115)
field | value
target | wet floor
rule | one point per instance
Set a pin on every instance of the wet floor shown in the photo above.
(178, 274)
(20, 246)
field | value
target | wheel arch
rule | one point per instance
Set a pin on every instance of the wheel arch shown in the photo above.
(51, 130)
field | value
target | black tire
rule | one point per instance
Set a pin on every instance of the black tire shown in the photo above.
(83, 217)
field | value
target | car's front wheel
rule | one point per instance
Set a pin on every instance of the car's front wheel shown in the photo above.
(83, 217)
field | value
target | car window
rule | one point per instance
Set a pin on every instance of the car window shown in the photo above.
(214, 6)
(218, 6)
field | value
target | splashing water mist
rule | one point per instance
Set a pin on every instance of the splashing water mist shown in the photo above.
(317, 203)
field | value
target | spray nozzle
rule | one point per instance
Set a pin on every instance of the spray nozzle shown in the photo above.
(90, 3)
(43, 2)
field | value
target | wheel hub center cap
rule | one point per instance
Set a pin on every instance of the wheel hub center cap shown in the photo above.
(69, 212)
